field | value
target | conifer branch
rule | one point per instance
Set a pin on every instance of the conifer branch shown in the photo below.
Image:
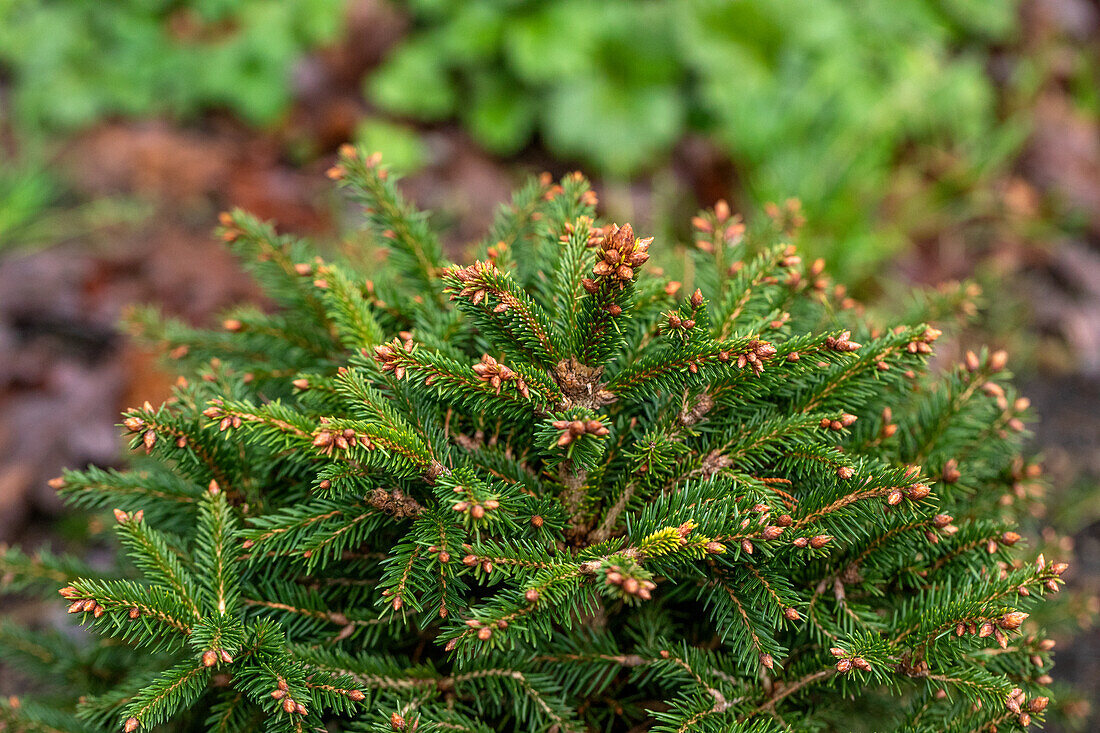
(530, 487)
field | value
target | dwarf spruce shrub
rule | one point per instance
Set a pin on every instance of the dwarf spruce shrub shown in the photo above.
(551, 491)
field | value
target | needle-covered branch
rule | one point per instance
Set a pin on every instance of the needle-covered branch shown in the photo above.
(575, 496)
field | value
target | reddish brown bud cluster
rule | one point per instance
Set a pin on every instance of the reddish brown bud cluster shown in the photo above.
(757, 353)
(1016, 702)
(789, 217)
(484, 630)
(951, 472)
(720, 224)
(998, 360)
(675, 322)
(631, 586)
(573, 429)
(848, 662)
(992, 627)
(772, 532)
(230, 230)
(122, 517)
(913, 492)
(621, 254)
(816, 542)
(441, 554)
(212, 656)
(495, 251)
(289, 705)
(845, 420)
(328, 440)
(391, 357)
(496, 374)
(398, 723)
(888, 428)
(842, 342)
(82, 605)
(583, 223)
(476, 510)
(475, 285)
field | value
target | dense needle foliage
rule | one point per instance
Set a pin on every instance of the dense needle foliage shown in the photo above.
(552, 491)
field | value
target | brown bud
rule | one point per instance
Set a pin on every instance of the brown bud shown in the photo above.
(1038, 704)
(536, 521)
(484, 633)
(1013, 620)
(951, 472)
(998, 360)
(792, 614)
(845, 472)
(397, 722)
(531, 595)
(131, 725)
(1010, 538)
(766, 659)
(819, 541)
(697, 298)
(843, 665)
(209, 658)
(919, 491)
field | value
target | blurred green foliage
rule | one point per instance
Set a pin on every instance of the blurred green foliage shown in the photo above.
(76, 61)
(36, 212)
(819, 99)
